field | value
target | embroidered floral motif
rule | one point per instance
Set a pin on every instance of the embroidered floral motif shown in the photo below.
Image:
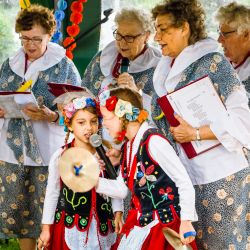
(106, 206)
(11, 78)
(146, 175)
(72, 201)
(221, 194)
(97, 85)
(213, 67)
(166, 194)
(217, 58)
(83, 222)
(217, 217)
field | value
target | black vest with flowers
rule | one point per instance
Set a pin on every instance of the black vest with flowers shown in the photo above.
(154, 191)
(77, 209)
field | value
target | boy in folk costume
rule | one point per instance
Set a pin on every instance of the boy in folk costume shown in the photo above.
(78, 220)
(163, 195)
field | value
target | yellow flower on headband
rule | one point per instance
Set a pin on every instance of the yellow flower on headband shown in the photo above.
(24, 4)
(122, 108)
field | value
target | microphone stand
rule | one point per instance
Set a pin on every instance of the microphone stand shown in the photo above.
(106, 13)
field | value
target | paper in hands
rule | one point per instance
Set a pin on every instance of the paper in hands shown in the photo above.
(13, 102)
(199, 104)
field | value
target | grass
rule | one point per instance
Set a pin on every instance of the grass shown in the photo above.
(11, 245)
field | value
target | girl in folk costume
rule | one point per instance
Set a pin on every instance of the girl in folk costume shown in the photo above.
(64, 224)
(162, 193)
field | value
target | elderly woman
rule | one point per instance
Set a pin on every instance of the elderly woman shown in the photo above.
(27, 144)
(108, 67)
(234, 36)
(220, 175)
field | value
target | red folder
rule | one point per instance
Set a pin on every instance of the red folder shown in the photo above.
(169, 114)
(12, 93)
(58, 89)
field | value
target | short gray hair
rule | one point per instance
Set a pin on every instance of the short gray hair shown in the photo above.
(140, 16)
(235, 15)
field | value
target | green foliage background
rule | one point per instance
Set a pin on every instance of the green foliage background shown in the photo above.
(8, 38)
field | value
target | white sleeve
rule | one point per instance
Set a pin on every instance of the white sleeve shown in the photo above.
(163, 153)
(112, 188)
(117, 205)
(234, 132)
(52, 190)
(1, 123)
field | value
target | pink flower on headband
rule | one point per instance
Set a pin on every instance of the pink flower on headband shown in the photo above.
(69, 110)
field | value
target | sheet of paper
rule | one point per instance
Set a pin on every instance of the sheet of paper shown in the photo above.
(196, 104)
(13, 103)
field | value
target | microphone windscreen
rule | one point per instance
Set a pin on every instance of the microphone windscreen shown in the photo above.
(95, 140)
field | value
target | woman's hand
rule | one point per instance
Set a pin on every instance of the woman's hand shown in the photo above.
(126, 80)
(186, 226)
(39, 114)
(44, 238)
(118, 221)
(2, 113)
(184, 132)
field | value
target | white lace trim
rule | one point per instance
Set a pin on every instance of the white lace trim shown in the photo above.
(76, 240)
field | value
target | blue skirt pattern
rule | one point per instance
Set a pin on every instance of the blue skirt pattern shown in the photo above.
(22, 192)
(223, 209)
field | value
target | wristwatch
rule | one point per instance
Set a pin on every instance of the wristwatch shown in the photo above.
(198, 136)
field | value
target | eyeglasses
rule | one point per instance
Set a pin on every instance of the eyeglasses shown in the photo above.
(128, 39)
(36, 41)
(225, 34)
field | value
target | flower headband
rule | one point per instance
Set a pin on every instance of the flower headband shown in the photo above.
(79, 103)
(122, 108)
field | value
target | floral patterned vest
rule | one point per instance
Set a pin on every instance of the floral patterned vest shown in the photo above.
(153, 190)
(77, 209)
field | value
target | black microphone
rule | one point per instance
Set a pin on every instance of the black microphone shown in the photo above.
(96, 141)
(107, 12)
(124, 65)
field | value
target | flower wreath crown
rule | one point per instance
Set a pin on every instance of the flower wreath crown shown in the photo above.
(79, 103)
(122, 108)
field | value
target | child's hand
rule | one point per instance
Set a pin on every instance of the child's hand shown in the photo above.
(118, 221)
(101, 162)
(186, 226)
(114, 156)
(44, 238)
